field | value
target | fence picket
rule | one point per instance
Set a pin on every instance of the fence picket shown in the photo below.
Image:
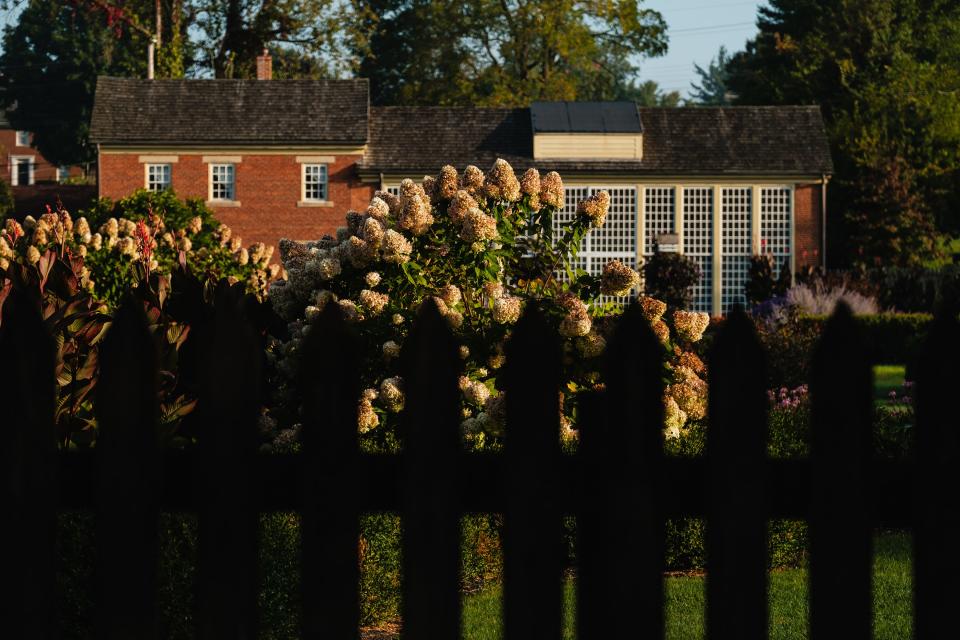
(937, 486)
(28, 465)
(128, 463)
(532, 518)
(736, 448)
(228, 520)
(330, 383)
(619, 523)
(432, 450)
(841, 388)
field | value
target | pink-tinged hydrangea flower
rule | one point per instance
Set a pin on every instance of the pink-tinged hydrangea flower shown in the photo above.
(82, 227)
(495, 409)
(476, 393)
(415, 216)
(492, 290)
(396, 248)
(373, 231)
(391, 349)
(195, 225)
(661, 330)
(618, 279)
(367, 418)
(324, 268)
(460, 203)
(575, 324)
(472, 180)
(374, 302)
(33, 255)
(397, 319)
(369, 394)
(675, 418)
(96, 242)
(323, 297)
(447, 183)
(110, 228)
(391, 394)
(594, 208)
(450, 294)
(392, 201)
(372, 279)
(506, 310)
(478, 226)
(429, 185)
(354, 220)
(242, 256)
(691, 361)
(690, 325)
(501, 183)
(591, 345)
(530, 183)
(463, 352)
(691, 397)
(551, 190)
(378, 209)
(652, 308)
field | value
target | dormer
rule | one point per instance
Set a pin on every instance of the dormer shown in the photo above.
(586, 131)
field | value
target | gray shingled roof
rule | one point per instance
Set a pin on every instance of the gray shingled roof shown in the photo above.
(130, 111)
(712, 141)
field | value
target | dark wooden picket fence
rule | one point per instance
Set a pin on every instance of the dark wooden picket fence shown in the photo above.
(619, 485)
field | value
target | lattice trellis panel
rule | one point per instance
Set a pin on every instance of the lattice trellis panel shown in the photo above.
(736, 242)
(615, 240)
(659, 211)
(775, 225)
(698, 241)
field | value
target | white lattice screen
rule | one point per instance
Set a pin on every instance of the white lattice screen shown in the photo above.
(615, 240)
(736, 243)
(698, 241)
(775, 224)
(659, 211)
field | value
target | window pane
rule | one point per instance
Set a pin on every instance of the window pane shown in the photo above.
(158, 177)
(315, 182)
(222, 181)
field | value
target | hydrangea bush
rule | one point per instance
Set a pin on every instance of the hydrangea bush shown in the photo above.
(158, 234)
(482, 247)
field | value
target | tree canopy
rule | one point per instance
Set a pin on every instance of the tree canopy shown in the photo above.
(712, 89)
(887, 75)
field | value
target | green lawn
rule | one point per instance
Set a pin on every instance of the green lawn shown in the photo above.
(887, 378)
(788, 601)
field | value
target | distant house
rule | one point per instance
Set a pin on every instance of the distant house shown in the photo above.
(290, 158)
(24, 165)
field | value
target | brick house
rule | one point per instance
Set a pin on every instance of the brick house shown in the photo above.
(290, 158)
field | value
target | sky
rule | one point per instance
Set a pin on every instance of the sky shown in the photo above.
(696, 29)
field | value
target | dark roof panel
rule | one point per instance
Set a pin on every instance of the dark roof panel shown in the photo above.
(681, 141)
(131, 110)
(585, 117)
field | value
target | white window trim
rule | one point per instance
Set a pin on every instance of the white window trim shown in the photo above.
(311, 202)
(14, 161)
(17, 140)
(221, 202)
(146, 174)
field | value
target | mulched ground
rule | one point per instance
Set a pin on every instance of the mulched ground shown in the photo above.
(388, 631)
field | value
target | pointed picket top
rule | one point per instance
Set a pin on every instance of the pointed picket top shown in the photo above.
(330, 388)
(228, 524)
(937, 479)
(736, 452)
(532, 518)
(841, 388)
(620, 527)
(430, 365)
(27, 467)
(128, 455)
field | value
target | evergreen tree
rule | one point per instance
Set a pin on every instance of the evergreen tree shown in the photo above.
(712, 89)
(887, 75)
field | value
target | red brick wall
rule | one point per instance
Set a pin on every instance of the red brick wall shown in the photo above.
(43, 169)
(808, 220)
(267, 188)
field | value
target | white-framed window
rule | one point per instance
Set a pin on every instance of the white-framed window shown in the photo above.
(222, 182)
(698, 242)
(21, 170)
(776, 221)
(23, 138)
(63, 173)
(736, 242)
(658, 215)
(314, 183)
(158, 176)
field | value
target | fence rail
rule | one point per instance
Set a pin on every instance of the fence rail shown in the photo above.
(619, 485)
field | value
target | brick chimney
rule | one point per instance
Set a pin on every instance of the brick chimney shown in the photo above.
(264, 66)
